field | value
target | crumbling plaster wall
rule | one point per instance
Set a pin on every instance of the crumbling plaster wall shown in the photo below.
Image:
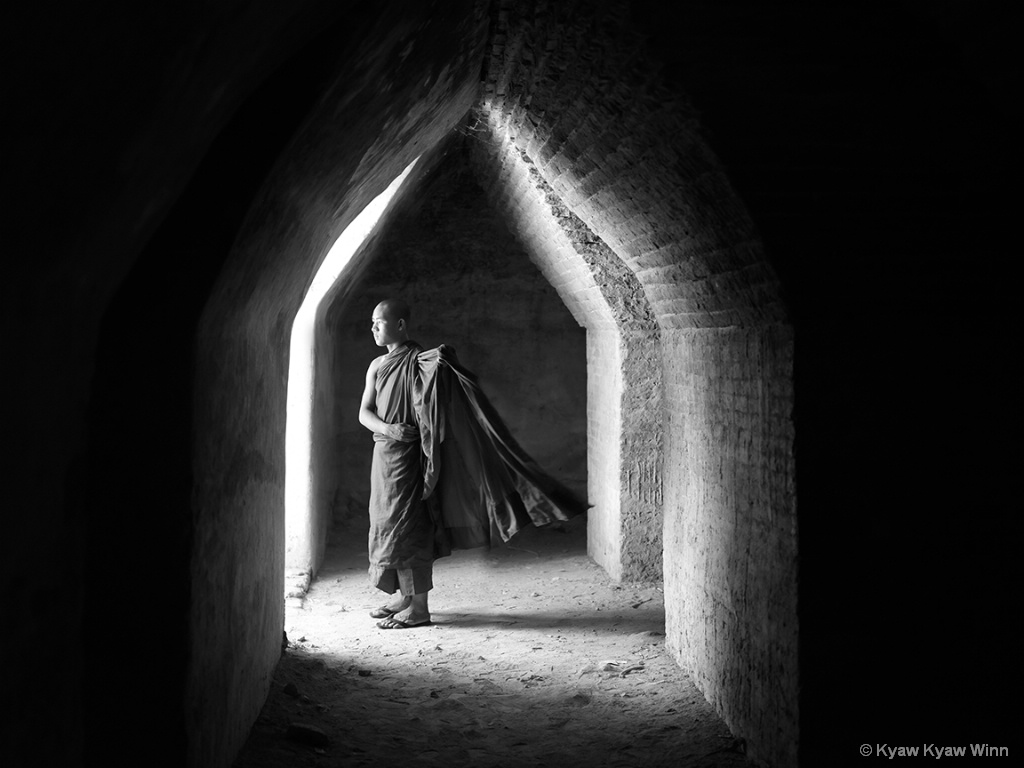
(571, 98)
(394, 97)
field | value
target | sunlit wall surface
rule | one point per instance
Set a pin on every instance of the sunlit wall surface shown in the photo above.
(298, 468)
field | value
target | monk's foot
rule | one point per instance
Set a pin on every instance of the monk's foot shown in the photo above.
(393, 622)
(405, 619)
(400, 603)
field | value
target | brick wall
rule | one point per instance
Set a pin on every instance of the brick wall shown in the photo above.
(702, 347)
(730, 526)
(640, 472)
(604, 449)
(624, 373)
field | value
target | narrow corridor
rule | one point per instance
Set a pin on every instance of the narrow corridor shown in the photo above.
(534, 658)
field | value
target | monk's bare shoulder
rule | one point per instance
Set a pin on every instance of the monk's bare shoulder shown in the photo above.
(366, 403)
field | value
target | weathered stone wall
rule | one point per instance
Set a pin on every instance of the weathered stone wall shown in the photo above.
(731, 520)
(450, 255)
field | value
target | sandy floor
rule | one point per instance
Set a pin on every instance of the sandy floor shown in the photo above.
(534, 658)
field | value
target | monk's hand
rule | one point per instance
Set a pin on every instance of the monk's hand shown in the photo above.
(403, 433)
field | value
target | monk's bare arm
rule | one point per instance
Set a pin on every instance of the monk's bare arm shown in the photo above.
(368, 417)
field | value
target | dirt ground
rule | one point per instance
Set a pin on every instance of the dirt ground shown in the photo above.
(534, 658)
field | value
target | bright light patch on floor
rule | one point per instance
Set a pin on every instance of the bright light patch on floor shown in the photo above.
(299, 555)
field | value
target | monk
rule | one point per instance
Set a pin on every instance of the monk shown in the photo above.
(401, 545)
(446, 473)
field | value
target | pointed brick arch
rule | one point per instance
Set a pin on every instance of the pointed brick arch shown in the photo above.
(623, 370)
(620, 194)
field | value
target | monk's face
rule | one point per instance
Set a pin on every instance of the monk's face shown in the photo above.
(385, 327)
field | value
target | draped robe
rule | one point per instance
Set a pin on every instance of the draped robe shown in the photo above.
(479, 484)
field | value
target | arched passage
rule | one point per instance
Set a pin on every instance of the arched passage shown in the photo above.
(870, 143)
(634, 224)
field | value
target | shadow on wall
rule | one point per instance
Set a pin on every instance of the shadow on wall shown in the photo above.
(135, 487)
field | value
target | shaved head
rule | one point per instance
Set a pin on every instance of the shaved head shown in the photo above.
(395, 309)
(390, 323)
